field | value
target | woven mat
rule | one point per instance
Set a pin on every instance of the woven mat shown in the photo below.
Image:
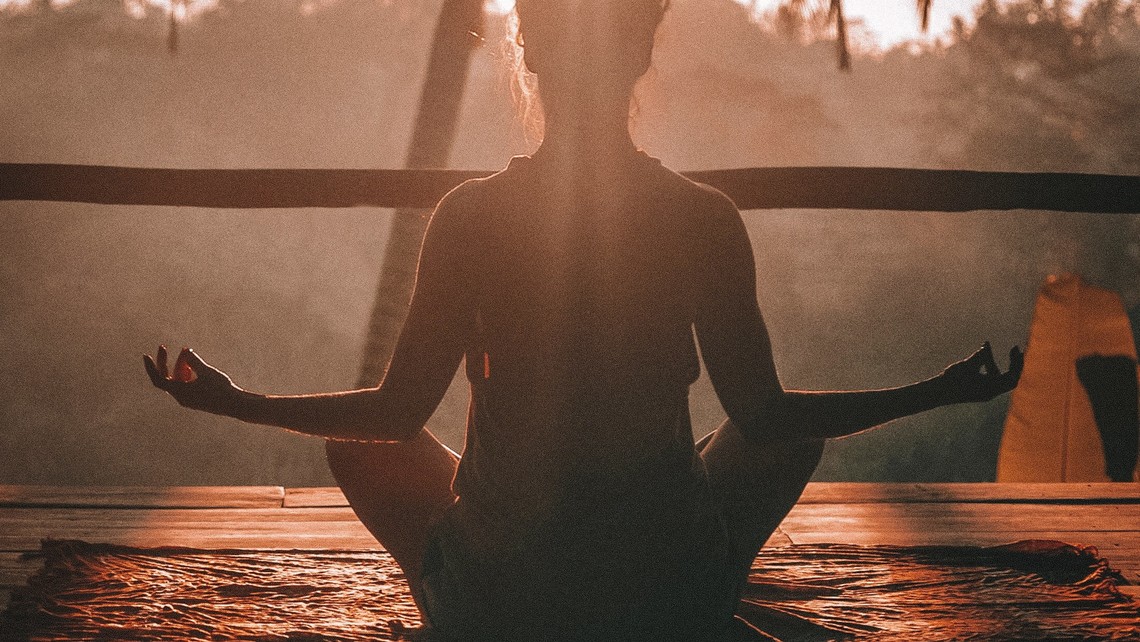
(1033, 590)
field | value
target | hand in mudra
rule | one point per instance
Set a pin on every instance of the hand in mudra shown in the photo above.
(978, 378)
(193, 383)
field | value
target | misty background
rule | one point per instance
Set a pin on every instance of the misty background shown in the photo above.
(280, 299)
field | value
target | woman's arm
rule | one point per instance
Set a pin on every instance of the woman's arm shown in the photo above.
(382, 413)
(837, 414)
(427, 354)
(738, 356)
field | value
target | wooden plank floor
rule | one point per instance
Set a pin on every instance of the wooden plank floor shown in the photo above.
(1103, 515)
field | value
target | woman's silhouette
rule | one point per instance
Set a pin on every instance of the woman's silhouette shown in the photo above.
(572, 283)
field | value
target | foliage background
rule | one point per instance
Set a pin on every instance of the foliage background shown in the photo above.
(281, 299)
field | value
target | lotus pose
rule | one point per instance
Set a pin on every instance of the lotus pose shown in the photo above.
(576, 286)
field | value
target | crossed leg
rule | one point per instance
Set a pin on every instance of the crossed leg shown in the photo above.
(756, 483)
(398, 491)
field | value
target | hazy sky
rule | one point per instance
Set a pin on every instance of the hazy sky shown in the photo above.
(895, 21)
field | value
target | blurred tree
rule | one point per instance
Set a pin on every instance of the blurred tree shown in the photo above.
(1033, 86)
(804, 20)
(1062, 87)
(800, 20)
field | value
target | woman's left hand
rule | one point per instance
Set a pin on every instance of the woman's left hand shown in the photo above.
(193, 383)
(978, 378)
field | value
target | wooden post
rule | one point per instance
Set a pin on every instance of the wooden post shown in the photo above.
(456, 35)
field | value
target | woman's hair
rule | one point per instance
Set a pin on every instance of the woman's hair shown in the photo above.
(524, 84)
(634, 20)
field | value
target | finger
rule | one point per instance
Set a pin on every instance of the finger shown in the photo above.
(989, 365)
(182, 370)
(152, 371)
(160, 357)
(1016, 362)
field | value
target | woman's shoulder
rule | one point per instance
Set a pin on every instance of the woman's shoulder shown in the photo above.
(704, 193)
(475, 193)
(705, 202)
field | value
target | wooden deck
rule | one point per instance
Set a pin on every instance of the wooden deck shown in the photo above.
(266, 517)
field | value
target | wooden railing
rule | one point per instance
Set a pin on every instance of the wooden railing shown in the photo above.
(857, 188)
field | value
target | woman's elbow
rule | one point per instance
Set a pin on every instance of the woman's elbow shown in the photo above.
(778, 418)
(379, 417)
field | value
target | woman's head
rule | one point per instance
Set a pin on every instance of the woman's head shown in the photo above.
(610, 37)
(587, 50)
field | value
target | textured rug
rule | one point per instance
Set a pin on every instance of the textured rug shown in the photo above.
(1033, 590)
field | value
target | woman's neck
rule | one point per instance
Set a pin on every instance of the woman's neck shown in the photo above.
(592, 134)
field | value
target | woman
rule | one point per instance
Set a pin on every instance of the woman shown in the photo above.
(571, 283)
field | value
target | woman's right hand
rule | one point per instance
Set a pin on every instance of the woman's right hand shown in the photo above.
(193, 383)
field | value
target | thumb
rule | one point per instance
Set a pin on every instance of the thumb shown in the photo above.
(199, 367)
(194, 360)
(977, 359)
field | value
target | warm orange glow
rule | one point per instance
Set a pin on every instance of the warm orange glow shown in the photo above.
(1050, 432)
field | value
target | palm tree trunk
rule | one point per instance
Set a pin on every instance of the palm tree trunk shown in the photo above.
(432, 137)
(841, 48)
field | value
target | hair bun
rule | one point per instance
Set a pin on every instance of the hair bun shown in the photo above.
(627, 13)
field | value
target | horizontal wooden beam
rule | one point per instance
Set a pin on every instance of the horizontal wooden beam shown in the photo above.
(141, 496)
(330, 497)
(857, 188)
